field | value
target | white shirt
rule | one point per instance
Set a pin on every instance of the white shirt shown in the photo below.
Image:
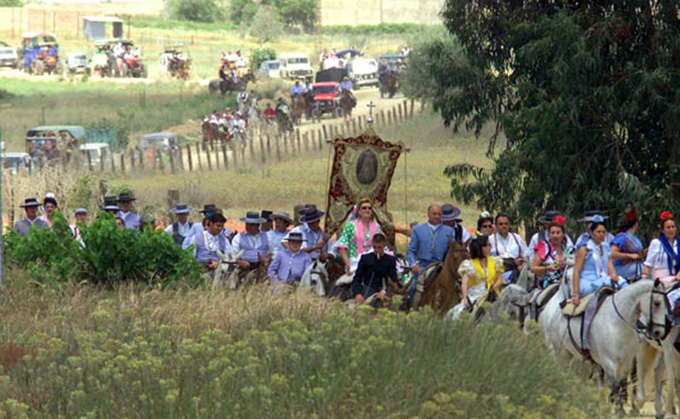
(275, 238)
(182, 229)
(512, 246)
(546, 237)
(656, 256)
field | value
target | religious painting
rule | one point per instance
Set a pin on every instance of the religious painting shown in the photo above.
(362, 168)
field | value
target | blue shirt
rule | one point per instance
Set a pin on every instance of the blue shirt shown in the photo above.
(312, 238)
(131, 219)
(346, 85)
(275, 238)
(296, 90)
(207, 246)
(429, 246)
(288, 267)
(253, 247)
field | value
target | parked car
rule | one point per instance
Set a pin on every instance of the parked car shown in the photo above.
(97, 151)
(15, 161)
(8, 57)
(164, 144)
(363, 72)
(295, 66)
(77, 63)
(270, 68)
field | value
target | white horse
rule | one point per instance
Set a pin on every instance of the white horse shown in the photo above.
(315, 279)
(226, 273)
(614, 330)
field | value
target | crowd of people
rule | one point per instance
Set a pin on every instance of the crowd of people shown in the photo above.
(286, 245)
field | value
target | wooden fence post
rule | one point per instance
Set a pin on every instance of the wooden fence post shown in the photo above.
(172, 161)
(234, 154)
(251, 147)
(191, 163)
(313, 140)
(389, 118)
(297, 138)
(382, 118)
(180, 163)
(113, 163)
(198, 156)
(89, 161)
(401, 115)
(132, 160)
(394, 116)
(207, 155)
(225, 157)
(161, 162)
(101, 163)
(278, 148)
(321, 140)
(285, 144)
(413, 103)
(263, 157)
(361, 125)
(325, 132)
(269, 147)
(122, 162)
(217, 158)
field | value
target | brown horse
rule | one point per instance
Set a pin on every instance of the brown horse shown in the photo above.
(347, 103)
(441, 287)
(299, 108)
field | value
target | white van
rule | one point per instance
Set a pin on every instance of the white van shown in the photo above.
(97, 152)
(295, 66)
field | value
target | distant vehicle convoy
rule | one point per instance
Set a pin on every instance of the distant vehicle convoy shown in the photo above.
(295, 66)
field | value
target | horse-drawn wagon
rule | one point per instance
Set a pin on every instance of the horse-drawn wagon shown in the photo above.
(118, 58)
(174, 62)
(40, 53)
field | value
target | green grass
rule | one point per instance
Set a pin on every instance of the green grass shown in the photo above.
(82, 352)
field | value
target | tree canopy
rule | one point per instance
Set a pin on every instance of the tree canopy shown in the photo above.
(584, 96)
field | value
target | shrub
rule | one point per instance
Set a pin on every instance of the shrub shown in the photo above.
(194, 10)
(242, 11)
(267, 25)
(260, 55)
(112, 255)
(298, 13)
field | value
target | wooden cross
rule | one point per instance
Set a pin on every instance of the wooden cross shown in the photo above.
(370, 107)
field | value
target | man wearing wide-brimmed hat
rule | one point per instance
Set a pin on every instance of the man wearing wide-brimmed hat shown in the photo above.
(81, 221)
(267, 225)
(207, 242)
(289, 264)
(182, 227)
(276, 235)
(450, 217)
(313, 233)
(23, 226)
(587, 219)
(111, 205)
(254, 243)
(545, 220)
(131, 219)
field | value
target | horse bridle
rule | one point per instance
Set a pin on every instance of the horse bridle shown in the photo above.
(646, 329)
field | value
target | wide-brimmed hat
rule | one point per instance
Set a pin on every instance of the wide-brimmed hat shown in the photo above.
(311, 214)
(281, 215)
(217, 217)
(295, 237)
(253, 217)
(181, 208)
(548, 217)
(30, 202)
(50, 199)
(80, 210)
(266, 214)
(590, 216)
(111, 203)
(126, 197)
(450, 212)
(208, 208)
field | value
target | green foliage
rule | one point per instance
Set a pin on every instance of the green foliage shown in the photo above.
(171, 24)
(586, 96)
(433, 48)
(385, 366)
(267, 25)
(259, 55)
(383, 28)
(11, 3)
(242, 11)
(112, 255)
(194, 10)
(297, 13)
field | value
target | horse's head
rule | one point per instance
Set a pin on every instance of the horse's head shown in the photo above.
(656, 313)
(514, 302)
(230, 258)
(457, 252)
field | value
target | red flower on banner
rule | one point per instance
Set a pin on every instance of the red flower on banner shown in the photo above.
(666, 215)
(561, 220)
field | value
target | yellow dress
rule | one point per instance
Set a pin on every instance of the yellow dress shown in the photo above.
(478, 274)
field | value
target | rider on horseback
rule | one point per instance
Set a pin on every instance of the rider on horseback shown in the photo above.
(290, 263)
(346, 88)
(211, 240)
(374, 271)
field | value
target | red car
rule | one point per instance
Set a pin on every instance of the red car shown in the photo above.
(326, 99)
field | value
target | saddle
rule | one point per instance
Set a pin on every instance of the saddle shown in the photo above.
(539, 302)
(569, 310)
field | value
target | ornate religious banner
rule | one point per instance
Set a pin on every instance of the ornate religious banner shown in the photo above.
(362, 168)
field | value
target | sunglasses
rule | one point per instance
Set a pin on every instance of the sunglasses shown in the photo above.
(487, 226)
(366, 208)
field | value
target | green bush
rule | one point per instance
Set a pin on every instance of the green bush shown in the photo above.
(194, 10)
(259, 55)
(242, 11)
(345, 366)
(172, 24)
(383, 28)
(112, 255)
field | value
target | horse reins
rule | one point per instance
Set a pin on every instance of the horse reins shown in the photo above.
(646, 329)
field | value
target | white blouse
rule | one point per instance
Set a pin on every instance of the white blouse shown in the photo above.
(656, 256)
(512, 246)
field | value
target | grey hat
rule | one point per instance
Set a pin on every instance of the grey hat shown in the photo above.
(295, 236)
(80, 210)
(281, 215)
(30, 202)
(311, 214)
(181, 208)
(253, 217)
(126, 197)
(450, 212)
(548, 216)
(590, 215)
